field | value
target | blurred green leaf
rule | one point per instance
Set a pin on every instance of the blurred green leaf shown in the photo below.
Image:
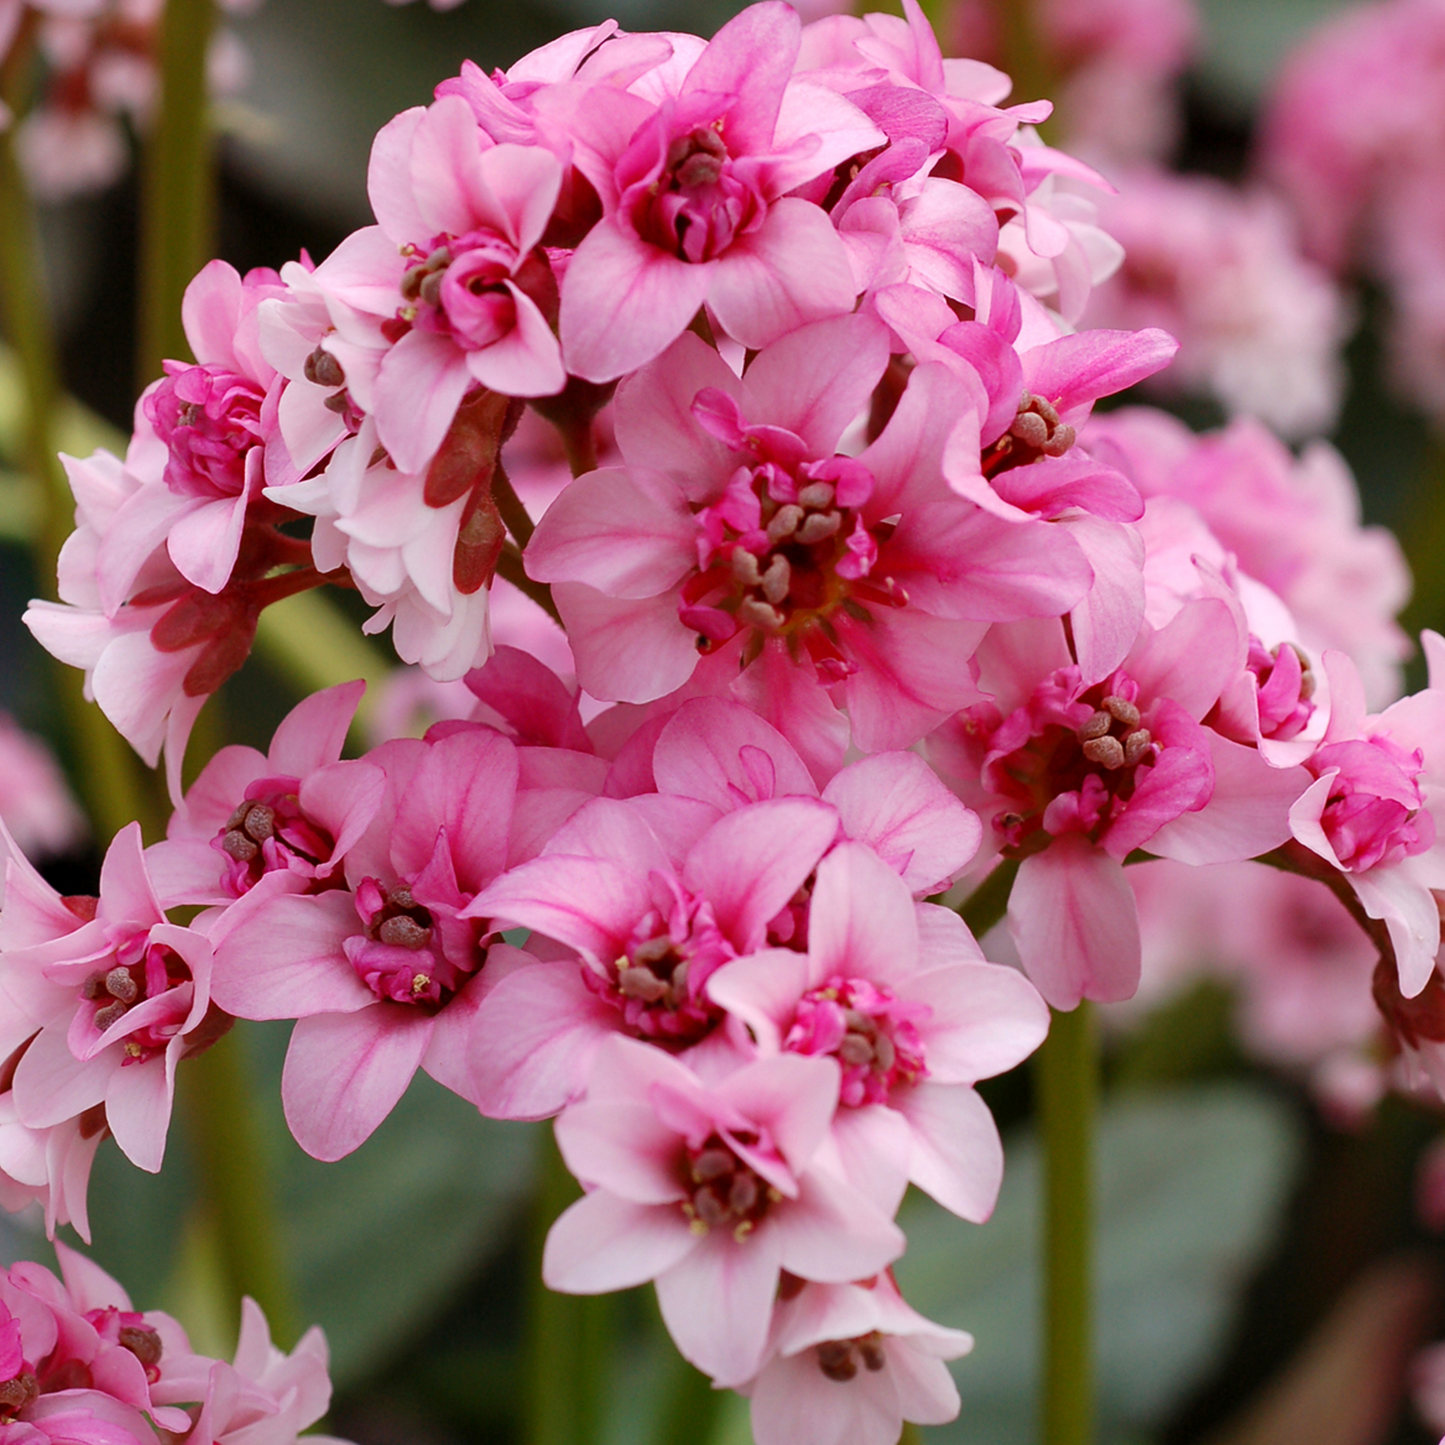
(1191, 1186)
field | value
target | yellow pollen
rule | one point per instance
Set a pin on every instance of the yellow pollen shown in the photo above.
(133, 1048)
(697, 1227)
(745, 1228)
(420, 983)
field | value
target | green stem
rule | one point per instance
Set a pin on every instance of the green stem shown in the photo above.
(692, 1409)
(989, 901)
(1424, 542)
(568, 1343)
(107, 772)
(1066, 1080)
(237, 1182)
(179, 200)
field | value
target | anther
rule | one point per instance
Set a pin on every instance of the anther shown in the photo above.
(1031, 429)
(884, 1054)
(338, 401)
(1096, 726)
(94, 987)
(745, 568)
(785, 522)
(818, 526)
(642, 984)
(400, 931)
(235, 844)
(120, 985)
(1061, 439)
(712, 1164)
(743, 1192)
(710, 1209)
(756, 613)
(1106, 751)
(1121, 709)
(430, 289)
(260, 823)
(110, 1014)
(323, 369)
(1046, 410)
(835, 1359)
(817, 496)
(16, 1394)
(1136, 746)
(855, 1051)
(143, 1343)
(654, 950)
(870, 1347)
(420, 982)
(777, 579)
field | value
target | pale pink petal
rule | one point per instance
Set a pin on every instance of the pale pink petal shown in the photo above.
(421, 382)
(861, 921)
(603, 1243)
(1073, 920)
(957, 1154)
(627, 650)
(527, 361)
(985, 1019)
(833, 1233)
(52, 1085)
(622, 1146)
(313, 733)
(763, 990)
(138, 1110)
(345, 1072)
(726, 755)
(1106, 620)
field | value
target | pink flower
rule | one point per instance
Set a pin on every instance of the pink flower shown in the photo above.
(694, 189)
(453, 273)
(852, 1362)
(1370, 810)
(900, 995)
(35, 802)
(737, 532)
(382, 975)
(296, 810)
(712, 1192)
(108, 997)
(654, 894)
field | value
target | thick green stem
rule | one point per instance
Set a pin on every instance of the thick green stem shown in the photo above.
(237, 1182)
(568, 1347)
(179, 198)
(989, 901)
(107, 773)
(1066, 1081)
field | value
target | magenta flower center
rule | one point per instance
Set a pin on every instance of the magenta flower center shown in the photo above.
(1375, 814)
(723, 1191)
(208, 419)
(1068, 765)
(839, 1359)
(658, 982)
(1285, 688)
(269, 830)
(142, 970)
(870, 1031)
(698, 203)
(410, 954)
(782, 552)
(1035, 432)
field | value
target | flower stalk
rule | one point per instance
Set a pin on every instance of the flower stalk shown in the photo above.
(1066, 1079)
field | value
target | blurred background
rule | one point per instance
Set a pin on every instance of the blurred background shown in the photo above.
(1270, 1255)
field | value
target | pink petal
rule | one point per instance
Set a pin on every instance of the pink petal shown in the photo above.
(52, 1085)
(1106, 620)
(763, 990)
(603, 1243)
(345, 1072)
(313, 733)
(833, 1233)
(421, 382)
(1074, 922)
(986, 1019)
(627, 650)
(861, 922)
(725, 754)
(138, 1110)
(622, 1146)
(527, 361)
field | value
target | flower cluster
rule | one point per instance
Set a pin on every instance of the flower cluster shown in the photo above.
(80, 1366)
(858, 603)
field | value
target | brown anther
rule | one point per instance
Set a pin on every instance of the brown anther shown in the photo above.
(855, 1051)
(710, 1209)
(111, 1013)
(818, 526)
(712, 1164)
(133, 1049)
(260, 822)
(1306, 674)
(16, 1394)
(338, 401)
(1031, 429)
(1121, 709)
(94, 987)
(1060, 440)
(120, 985)
(237, 845)
(776, 580)
(870, 1347)
(430, 289)
(785, 522)
(835, 1359)
(642, 984)
(143, 1343)
(1106, 751)
(884, 1054)
(411, 283)
(400, 897)
(1096, 726)
(654, 950)
(439, 259)
(743, 1191)
(679, 978)
(1136, 746)
(745, 568)
(817, 496)
(402, 931)
(699, 169)
(756, 613)
(1046, 410)
(323, 369)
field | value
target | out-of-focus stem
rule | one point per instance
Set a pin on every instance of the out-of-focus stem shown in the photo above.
(238, 1189)
(568, 1345)
(509, 504)
(692, 1408)
(107, 780)
(1424, 543)
(989, 901)
(1066, 1082)
(179, 195)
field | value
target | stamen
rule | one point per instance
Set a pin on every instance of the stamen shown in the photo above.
(1096, 726)
(816, 495)
(323, 369)
(121, 986)
(1136, 746)
(777, 579)
(1121, 709)
(787, 521)
(1108, 752)
(818, 526)
(402, 931)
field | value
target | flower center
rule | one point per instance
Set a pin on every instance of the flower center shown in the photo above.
(1375, 814)
(839, 1359)
(269, 830)
(723, 1191)
(697, 204)
(208, 419)
(870, 1031)
(1035, 432)
(142, 970)
(1068, 765)
(408, 954)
